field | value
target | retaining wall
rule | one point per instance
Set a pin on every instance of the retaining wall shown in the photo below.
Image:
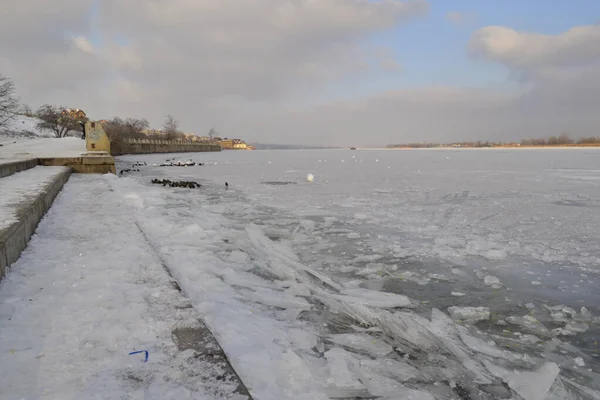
(122, 147)
(14, 239)
(17, 166)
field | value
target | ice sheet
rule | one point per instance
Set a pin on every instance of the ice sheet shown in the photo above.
(422, 236)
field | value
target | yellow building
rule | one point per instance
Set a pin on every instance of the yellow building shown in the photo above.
(74, 113)
(239, 144)
(226, 144)
(95, 138)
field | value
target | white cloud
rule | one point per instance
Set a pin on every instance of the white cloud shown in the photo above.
(83, 44)
(577, 46)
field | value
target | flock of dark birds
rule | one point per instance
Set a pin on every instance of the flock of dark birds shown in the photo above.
(167, 182)
(180, 184)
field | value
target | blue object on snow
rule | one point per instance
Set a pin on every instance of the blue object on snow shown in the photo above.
(140, 351)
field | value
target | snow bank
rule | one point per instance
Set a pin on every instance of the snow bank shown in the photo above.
(42, 148)
(22, 127)
(81, 298)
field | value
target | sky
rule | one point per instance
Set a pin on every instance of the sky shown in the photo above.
(320, 72)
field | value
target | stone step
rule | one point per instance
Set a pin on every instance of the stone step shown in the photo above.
(25, 197)
(12, 167)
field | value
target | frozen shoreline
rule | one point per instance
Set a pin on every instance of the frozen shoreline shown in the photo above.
(275, 306)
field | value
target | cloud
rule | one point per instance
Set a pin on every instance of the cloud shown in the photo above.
(183, 55)
(461, 18)
(255, 69)
(562, 69)
(575, 47)
(83, 44)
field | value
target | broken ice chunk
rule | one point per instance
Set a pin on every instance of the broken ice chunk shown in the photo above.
(576, 327)
(530, 323)
(374, 298)
(390, 368)
(469, 314)
(342, 378)
(586, 314)
(361, 343)
(529, 339)
(492, 281)
(409, 394)
(530, 385)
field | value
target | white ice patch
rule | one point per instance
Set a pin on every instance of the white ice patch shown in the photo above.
(492, 281)
(579, 362)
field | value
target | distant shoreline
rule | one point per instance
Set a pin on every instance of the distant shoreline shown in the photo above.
(542, 146)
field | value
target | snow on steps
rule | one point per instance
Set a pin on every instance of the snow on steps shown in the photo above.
(9, 168)
(25, 197)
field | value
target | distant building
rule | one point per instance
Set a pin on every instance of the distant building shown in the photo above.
(239, 144)
(226, 144)
(231, 144)
(74, 113)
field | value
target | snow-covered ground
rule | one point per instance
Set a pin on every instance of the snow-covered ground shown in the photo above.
(340, 287)
(42, 148)
(22, 127)
(89, 290)
(21, 139)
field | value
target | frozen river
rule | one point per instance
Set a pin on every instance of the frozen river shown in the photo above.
(340, 287)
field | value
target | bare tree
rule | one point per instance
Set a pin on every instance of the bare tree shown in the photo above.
(9, 104)
(212, 133)
(136, 126)
(171, 128)
(53, 118)
(564, 139)
(115, 128)
(589, 140)
(26, 111)
(131, 128)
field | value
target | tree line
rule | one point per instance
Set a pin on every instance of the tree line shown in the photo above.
(64, 123)
(563, 139)
(139, 128)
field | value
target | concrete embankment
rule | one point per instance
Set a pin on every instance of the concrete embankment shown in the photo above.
(10, 168)
(135, 146)
(25, 197)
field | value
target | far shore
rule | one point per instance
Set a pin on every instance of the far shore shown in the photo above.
(548, 146)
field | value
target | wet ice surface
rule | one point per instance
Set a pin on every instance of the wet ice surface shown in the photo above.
(322, 278)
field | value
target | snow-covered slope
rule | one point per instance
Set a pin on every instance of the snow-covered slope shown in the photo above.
(24, 127)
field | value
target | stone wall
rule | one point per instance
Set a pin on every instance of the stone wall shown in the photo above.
(148, 146)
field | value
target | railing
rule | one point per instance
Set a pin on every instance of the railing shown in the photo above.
(158, 141)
